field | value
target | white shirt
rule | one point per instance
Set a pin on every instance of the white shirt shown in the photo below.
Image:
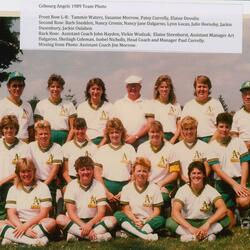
(115, 162)
(163, 161)
(241, 124)
(96, 119)
(28, 202)
(9, 154)
(197, 206)
(43, 159)
(56, 114)
(23, 113)
(166, 114)
(131, 113)
(72, 150)
(87, 199)
(205, 114)
(142, 203)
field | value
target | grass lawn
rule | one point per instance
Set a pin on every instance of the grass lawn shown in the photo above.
(239, 239)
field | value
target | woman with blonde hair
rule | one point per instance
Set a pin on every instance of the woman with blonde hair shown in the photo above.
(113, 160)
(11, 149)
(28, 204)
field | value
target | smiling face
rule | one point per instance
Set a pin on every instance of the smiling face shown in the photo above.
(201, 92)
(164, 90)
(27, 177)
(9, 133)
(155, 136)
(86, 175)
(196, 177)
(115, 136)
(15, 88)
(133, 90)
(246, 98)
(95, 93)
(141, 174)
(80, 134)
(189, 133)
(223, 130)
(55, 90)
(43, 137)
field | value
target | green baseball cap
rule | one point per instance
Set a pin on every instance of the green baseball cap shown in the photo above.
(15, 74)
(245, 85)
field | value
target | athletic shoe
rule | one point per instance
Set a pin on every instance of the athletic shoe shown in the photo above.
(41, 242)
(210, 237)
(152, 237)
(121, 234)
(7, 242)
(102, 237)
(245, 223)
(187, 238)
(71, 237)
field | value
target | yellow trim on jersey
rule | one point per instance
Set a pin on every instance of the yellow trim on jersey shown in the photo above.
(180, 201)
(217, 198)
(192, 145)
(56, 161)
(124, 202)
(158, 204)
(141, 191)
(9, 147)
(10, 202)
(69, 201)
(78, 145)
(45, 199)
(174, 167)
(101, 199)
(157, 149)
(149, 115)
(115, 148)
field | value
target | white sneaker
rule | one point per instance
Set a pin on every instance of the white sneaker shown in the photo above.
(121, 234)
(152, 237)
(102, 237)
(187, 238)
(245, 223)
(211, 237)
(40, 242)
(6, 242)
(71, 237)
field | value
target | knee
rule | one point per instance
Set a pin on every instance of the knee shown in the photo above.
(62, 220)
(110, 221)
(49, 224)
(120, 217)
(243, 202)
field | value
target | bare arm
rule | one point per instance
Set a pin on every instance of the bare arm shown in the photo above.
(177, 132)
(65, 172)
(52, 174)
(168, 179)
(156, 212)
(71, 129)
(244, 173)
(7, 179)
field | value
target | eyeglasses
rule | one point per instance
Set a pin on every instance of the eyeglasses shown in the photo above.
(15, 86)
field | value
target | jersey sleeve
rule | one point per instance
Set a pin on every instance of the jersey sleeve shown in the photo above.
(124, 200)
(69, 196)
(158, 200)
(58, 155)
(244, 154)
(235, 125)
(180, 196)
(72, 110)
(101, 198)
(214, 194)
(45, 198)
(11, 198)
(65, 151)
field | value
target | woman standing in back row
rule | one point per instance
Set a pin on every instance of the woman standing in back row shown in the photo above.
(58, 112)
(165, 107)
(203, 108)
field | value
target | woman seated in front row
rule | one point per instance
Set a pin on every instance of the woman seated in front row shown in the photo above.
(142, 201)
(28, 204)
(193, 216)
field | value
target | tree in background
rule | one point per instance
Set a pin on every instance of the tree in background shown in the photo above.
(9, 46)
(33, 102)
(223, 103)
(70, 97)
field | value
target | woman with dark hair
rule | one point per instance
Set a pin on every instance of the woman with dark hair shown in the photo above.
(193, 215)
(28, 204)
(95, 109)
(58, 112)
(14, 105)
(113, 160)
(165, 107)
(203, 108)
